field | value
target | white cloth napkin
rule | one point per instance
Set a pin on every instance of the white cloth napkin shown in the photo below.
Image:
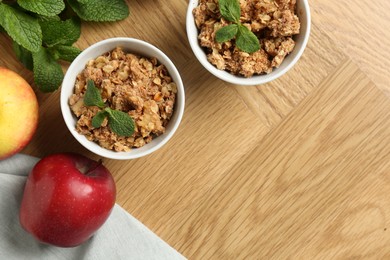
(121, 237)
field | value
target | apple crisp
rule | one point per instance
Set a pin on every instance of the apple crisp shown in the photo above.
(274, 22)
(130, 83)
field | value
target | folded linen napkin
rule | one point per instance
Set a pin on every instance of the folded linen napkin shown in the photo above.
(121, 237)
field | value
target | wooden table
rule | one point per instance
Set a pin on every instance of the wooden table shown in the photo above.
(298, 168)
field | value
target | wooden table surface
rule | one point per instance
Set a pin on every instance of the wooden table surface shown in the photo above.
(295, 169)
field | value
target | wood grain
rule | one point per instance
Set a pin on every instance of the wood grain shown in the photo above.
(361, 30)
(315, 187)
(298, 168)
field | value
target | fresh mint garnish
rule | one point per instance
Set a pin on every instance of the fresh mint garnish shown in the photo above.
(43, 7)
(92, 96)
(60, 32)
(230, 10)
(23, 55)
(48, 73)
(100, 10)
(98, 119)
(64, 52)
(120, 122)
(246, 40)
(226, 33)
(21, 27)
(43, 32)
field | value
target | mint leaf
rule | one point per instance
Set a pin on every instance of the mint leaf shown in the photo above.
(48, 18)
(23, 55)
(60, 32)
(92, 96)
(226, 33)
(230, 10)
(67, 53)
(48, 73)
(247, 40)
(98, 119)
(100, 10)
(120, 122)
(21, 27)
(43, 7)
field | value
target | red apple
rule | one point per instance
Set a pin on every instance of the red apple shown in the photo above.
(67, 198)
(18, 113)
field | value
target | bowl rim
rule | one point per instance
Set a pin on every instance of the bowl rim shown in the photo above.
(240, 80)
(68, 85)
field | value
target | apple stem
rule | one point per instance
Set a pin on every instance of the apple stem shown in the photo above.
(94, 166)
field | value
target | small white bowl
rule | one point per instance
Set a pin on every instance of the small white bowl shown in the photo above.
(303, 12)
(129, 45)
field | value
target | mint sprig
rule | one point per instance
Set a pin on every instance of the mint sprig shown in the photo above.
(60, 32)
(226, 33)
(100, 10)
(43, 7)
(48, 73)
(44, 31)
(246, 40)
(21, 27)
(98, 119)
(65, 52)
(120, 122)
(230, 10)
(92, 95)
(24, 55)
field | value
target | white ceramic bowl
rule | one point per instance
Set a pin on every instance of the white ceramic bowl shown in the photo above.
(303, 12)
(130, 45)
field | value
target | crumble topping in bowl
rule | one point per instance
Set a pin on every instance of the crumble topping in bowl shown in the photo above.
(274, 22)
(130, 83)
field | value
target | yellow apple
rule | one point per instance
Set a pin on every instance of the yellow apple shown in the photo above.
(18, 113)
